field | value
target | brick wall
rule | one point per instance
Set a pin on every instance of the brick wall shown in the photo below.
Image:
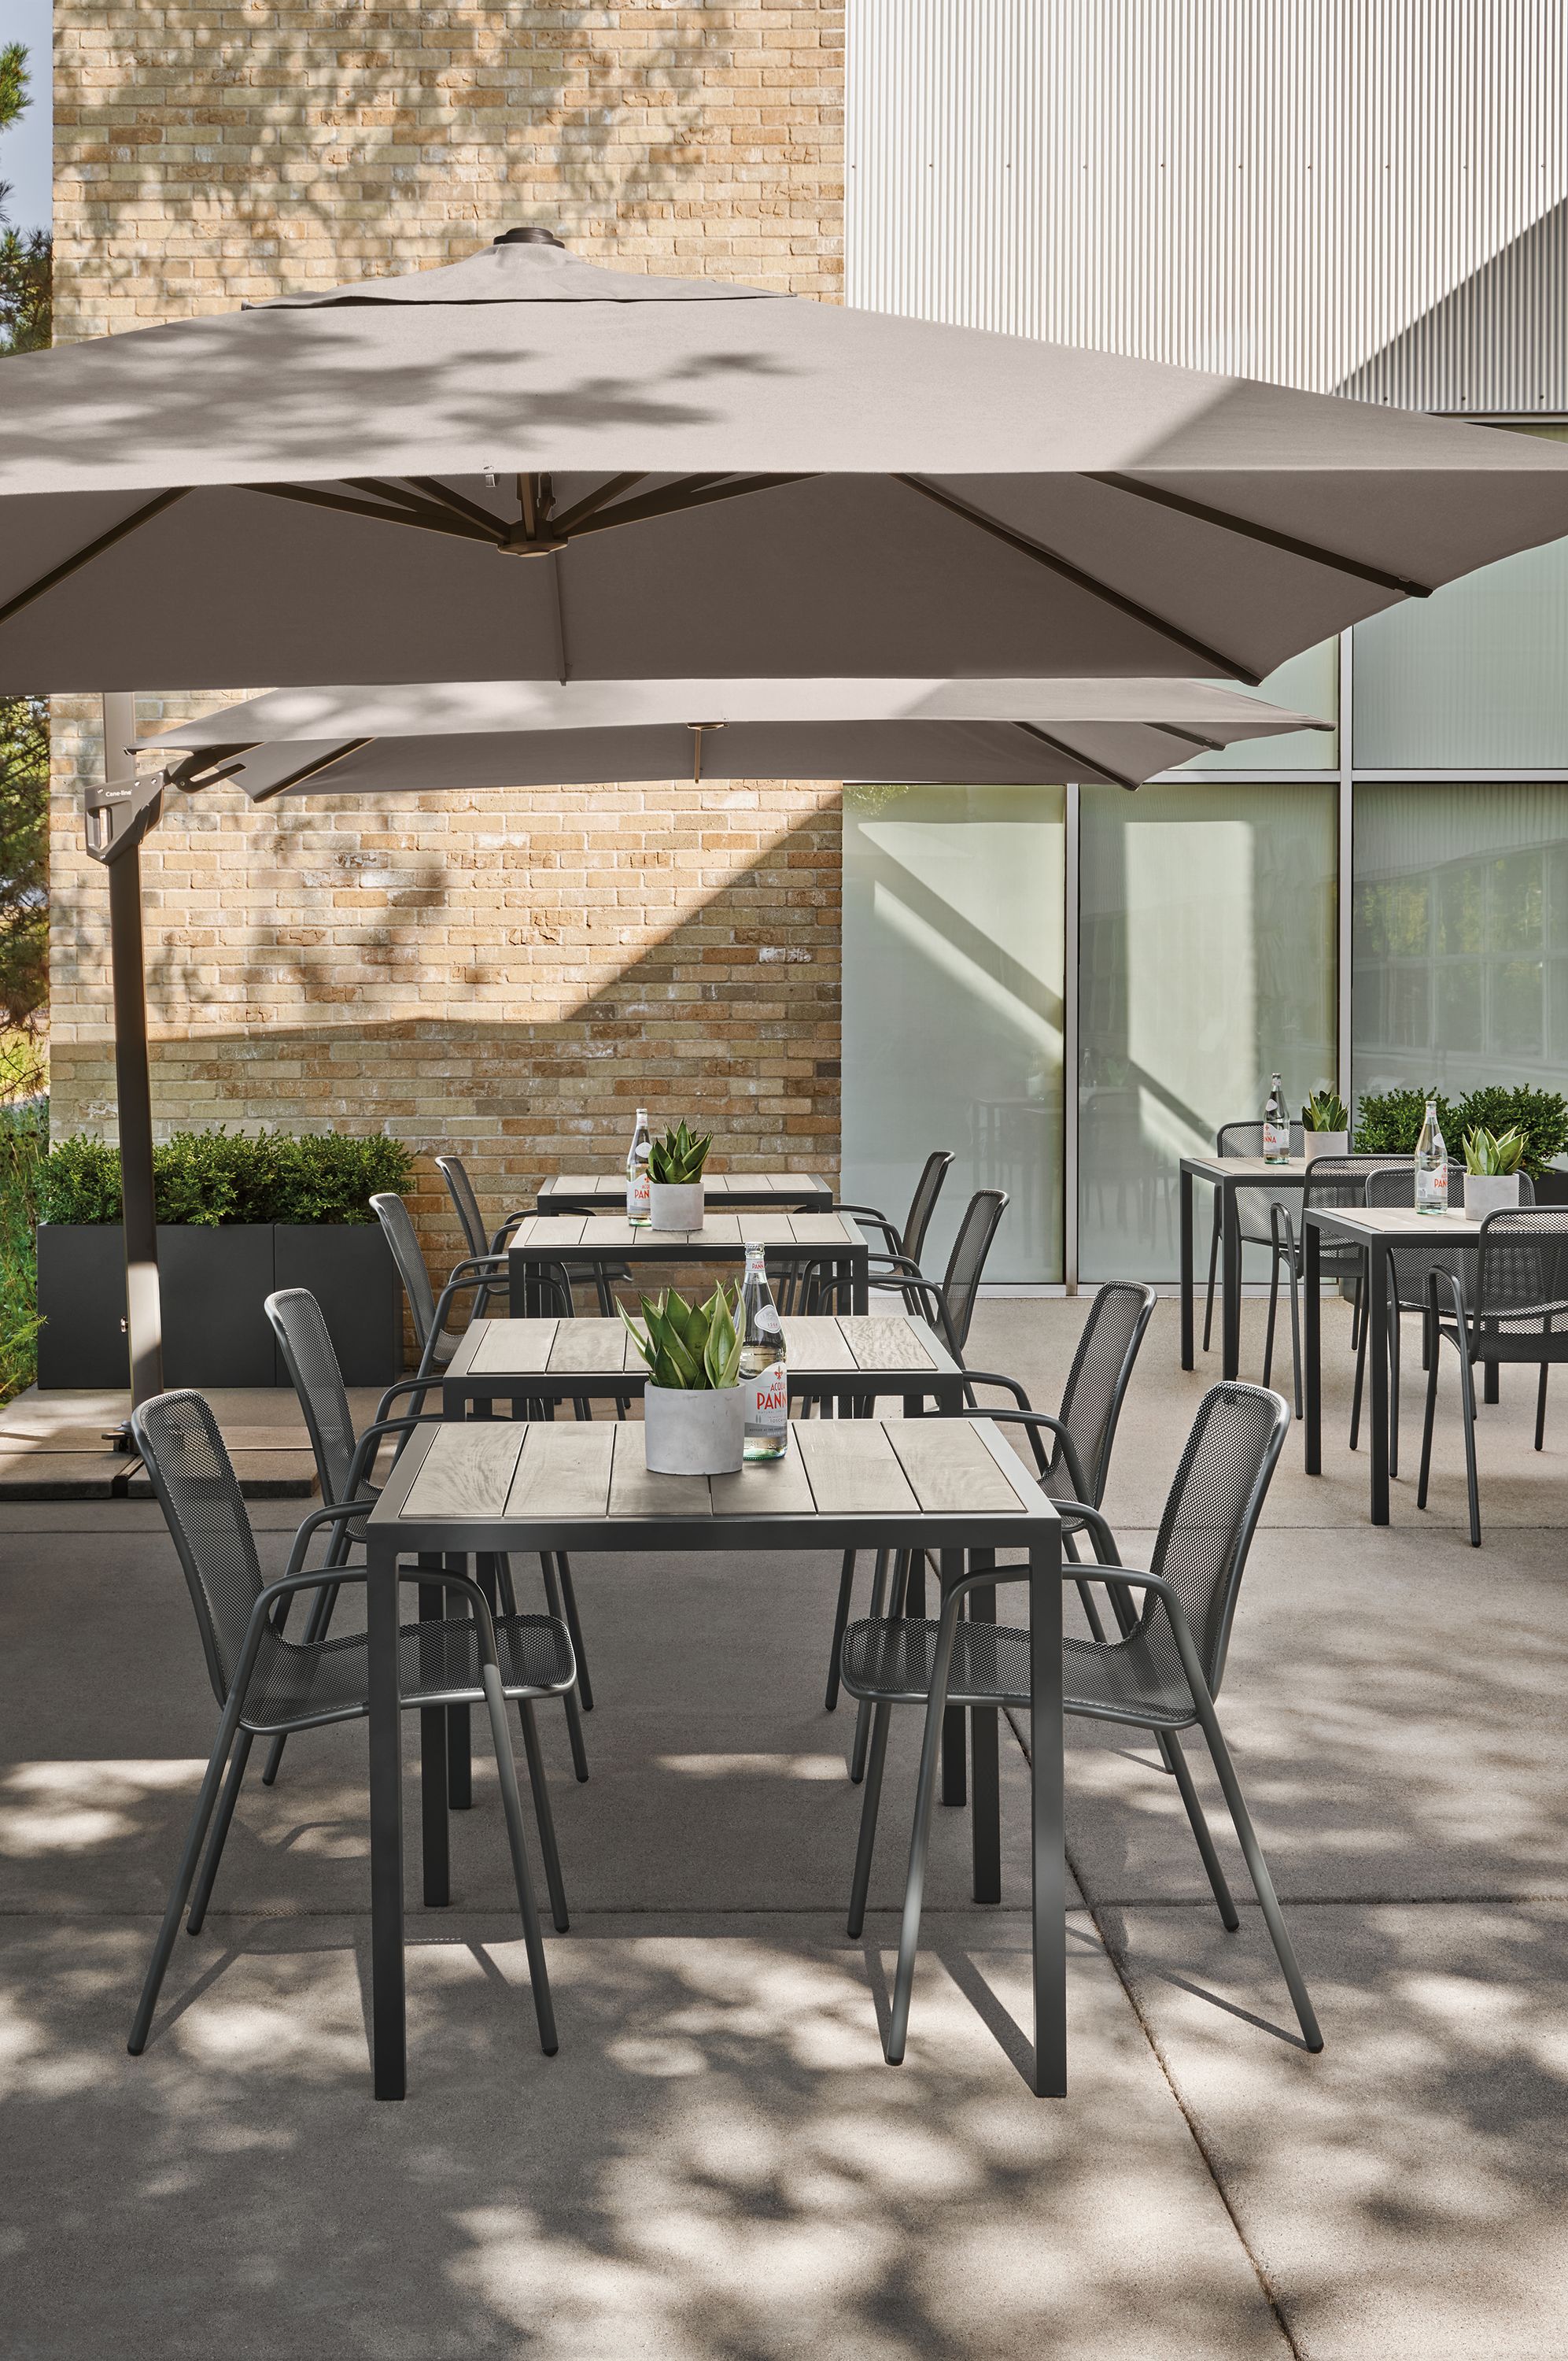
(507, 971)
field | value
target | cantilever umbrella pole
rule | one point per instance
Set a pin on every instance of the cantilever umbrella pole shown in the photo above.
(118, 816)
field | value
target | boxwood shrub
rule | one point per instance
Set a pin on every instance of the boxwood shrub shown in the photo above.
(1388, 1123)
(209, 1179)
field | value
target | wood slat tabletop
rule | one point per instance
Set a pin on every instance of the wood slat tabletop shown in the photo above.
(612, 1236)
(821, 1346)
(610, 1188)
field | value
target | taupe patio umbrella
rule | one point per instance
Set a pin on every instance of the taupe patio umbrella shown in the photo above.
(701, 478)
(487, 734)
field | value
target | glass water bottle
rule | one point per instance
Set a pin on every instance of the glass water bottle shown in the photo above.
(1275, 1125)
(639, 1189)
(1431, 1166)
(762, 1373)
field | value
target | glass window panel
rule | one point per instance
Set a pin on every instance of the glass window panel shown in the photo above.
(954, 943)
(1475, 675)
(1306, 684)
(1208, 959)
(1492, 863)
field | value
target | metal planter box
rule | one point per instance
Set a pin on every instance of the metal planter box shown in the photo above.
(214, 1283)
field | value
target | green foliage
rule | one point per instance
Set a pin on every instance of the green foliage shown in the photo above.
(678, 1156)
(27, 308)
(1488, 1153)
(1325, 1111)
(1390, 1124)
(24, 1140)
(24, 860)
(692, 1348)
(207, 1179)
(13, 83)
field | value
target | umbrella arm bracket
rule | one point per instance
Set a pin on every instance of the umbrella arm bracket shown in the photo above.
(118, 815)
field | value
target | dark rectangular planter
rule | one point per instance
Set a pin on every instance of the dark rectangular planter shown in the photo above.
(214, 1283)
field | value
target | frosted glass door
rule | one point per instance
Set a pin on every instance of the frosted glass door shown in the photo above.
(953, 981)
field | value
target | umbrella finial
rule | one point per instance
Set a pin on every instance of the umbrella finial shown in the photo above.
(529, 234)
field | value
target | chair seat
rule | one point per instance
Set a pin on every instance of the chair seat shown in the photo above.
(294, 1685)
(1136, 1679)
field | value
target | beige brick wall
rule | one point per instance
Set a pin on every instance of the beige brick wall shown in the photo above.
(508, 972)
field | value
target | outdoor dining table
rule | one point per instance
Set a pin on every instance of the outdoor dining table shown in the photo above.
(949, 1486)
(600, 1193)
(1374, 1228)
(606, 1241)
(844, 1359)
(1227, 1174)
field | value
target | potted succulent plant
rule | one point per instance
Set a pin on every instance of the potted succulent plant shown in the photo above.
(694, 1406)
(674, 1174)
(1325, 1125)
(1492, 1162)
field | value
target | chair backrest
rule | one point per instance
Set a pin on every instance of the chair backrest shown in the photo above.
(401, 1236)
(460, 1188)
(1395, 1184)
(1246, 1139)
(1521, 1280)
(178, 1438)
(923, 1205)
(1092, 1400)
(312, 1365)
(1212, 1510)
(967, 1261)
(1344, 1180)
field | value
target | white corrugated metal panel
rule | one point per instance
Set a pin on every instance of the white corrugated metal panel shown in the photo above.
(1364, 196)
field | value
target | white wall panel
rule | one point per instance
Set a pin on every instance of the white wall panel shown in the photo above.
(1366, 196)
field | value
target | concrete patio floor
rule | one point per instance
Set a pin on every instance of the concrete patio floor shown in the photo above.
(717, 2166)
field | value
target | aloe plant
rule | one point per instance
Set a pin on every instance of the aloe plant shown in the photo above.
(1325, 1111)
(1487, 1152)
(678, 1156)
(690, 1348)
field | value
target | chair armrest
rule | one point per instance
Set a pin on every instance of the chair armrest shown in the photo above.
(421, 1385)
(334, 1514)
(973, 1377)
(364, 1459)
(1278, 1213)
(869, 1219)
(1098, 1524)
(474, 1262)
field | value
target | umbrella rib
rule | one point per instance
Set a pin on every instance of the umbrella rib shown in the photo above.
(106, 540)
(310, 770)
(610, 489)
(1229, 665)
(422, 521)
(410, 507)
(1075, 755)
(445, 496)
(692, 492)
(1310, 550)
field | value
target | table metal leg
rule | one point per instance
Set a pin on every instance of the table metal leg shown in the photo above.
(986, 1806)
(1490, 1387)
(1048, 1844)
(1230, 1285)
(387, 2007)
(1313, 1345)
(1186, 1199)
(1377, 1316)
(860, 1283)
(433, 1767)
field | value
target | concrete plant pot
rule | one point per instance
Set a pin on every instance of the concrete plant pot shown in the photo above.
(694, 1433)
(1324, 1143)
(675, 1204)
(1490, 1193)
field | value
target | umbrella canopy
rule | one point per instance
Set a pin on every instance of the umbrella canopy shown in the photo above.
(698, 478)
(500, 734)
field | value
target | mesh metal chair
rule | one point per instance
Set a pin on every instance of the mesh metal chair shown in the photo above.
(491, 1248)
(1254, 1206)
(435, 1341)
(1333, 1181)
(1072, 1450)
(1407, 1270)
(1161, 1672)
(1517, 1311)
(344, 1466)
(946, 1305)
(267, 1682)
(909, 1241)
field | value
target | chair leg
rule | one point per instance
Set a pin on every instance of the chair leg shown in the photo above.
(542, 1814)
(1273, 1314)
(1357, 1312)
(1471, 1485)
(1177, 1764)
(1085, 1592)
(1213, 1267)
(1394, 1320)
(218, 1835)
(141, 2022)
(1428, 1422)
(316, 1624)
(840, 1623)
(1258, 1870)
(1296, 1334)
(1541, 1409)
(569, 1604)
(882, 1716)
(915, 1884)
(1358, 1337)
(573, 1717)
(512, 1804)
(863, 1711)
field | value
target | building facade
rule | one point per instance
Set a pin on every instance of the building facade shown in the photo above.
(1069, 987)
